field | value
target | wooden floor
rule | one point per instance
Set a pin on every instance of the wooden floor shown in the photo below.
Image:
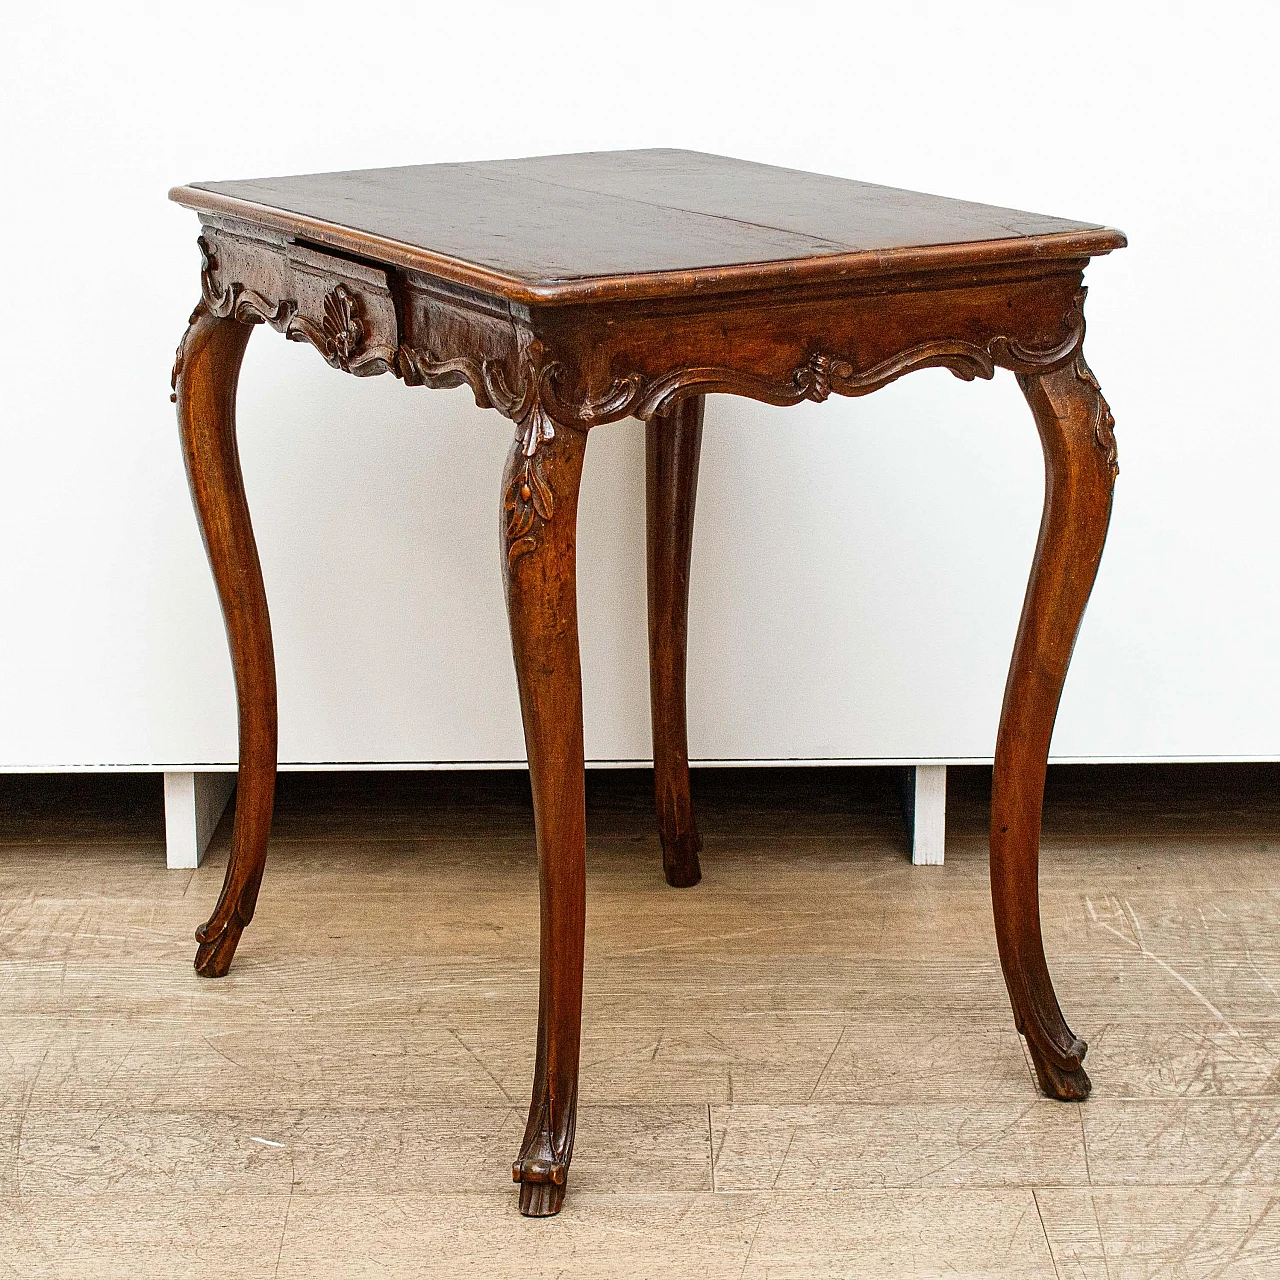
(805, 1067)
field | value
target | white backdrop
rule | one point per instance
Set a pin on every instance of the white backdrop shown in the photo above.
(859, 565)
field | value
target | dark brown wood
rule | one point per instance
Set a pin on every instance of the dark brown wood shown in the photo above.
(205, 375)
(539, 533)
(1077, 434)
(633, 224)
(673, 445)
(572, 291)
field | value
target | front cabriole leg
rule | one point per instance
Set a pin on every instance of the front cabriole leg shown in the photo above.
(1076, 432)
(539, 518)
(204, 382)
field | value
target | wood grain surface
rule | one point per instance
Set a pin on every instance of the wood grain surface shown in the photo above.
(803, 1067)
(562, 228)
(569, 293)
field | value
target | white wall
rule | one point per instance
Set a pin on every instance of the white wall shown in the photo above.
(859, 565)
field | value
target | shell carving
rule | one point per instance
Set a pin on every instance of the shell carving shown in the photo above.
(340, 327)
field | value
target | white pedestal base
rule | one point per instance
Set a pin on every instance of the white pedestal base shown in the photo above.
(924, 794)
(193, 806)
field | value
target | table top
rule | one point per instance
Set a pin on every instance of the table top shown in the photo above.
(633, 224)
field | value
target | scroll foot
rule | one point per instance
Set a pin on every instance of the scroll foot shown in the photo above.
(216, 950)
(542, 1167)
(1065, 1086)
(542, 1185)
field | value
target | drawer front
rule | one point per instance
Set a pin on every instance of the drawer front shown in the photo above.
(343, 308)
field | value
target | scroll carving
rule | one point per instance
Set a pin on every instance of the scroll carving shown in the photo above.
(530, 500)
(539, 395)
(535, 405)
(536, 386)
(813, 380)
(341, 337)
(823, 373)
(345, 322)
(418, 369)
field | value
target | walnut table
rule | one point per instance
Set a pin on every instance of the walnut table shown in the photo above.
(572, 291)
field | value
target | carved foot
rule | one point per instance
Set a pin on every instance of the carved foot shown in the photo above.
(680, 860)
(542, 1185)
(216, 950)
(1060, 1083)
(542, 1167)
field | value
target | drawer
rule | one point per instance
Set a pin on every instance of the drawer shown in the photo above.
(343, 308)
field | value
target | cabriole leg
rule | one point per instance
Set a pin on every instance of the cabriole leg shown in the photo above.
(672, 446)
(539, 518)
(1075, 428)
(205, 378)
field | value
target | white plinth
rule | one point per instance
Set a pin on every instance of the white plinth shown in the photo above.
(925, 802)
(193, 806)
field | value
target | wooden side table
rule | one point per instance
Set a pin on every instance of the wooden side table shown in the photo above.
(572, 291)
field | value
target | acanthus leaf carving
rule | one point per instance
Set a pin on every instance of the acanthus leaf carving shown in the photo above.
(537, 381)
(530, 499)
(180, 356)
(1104, 424)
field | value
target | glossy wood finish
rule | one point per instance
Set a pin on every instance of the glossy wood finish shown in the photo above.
(570, 292)
(1076, 432)
(542, 603)
(673, 445)
(637, 224)
(205, 375)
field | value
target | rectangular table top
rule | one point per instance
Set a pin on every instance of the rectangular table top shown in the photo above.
(651, 223)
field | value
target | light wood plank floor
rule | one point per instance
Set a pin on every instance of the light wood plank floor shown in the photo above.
(805, 1067)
